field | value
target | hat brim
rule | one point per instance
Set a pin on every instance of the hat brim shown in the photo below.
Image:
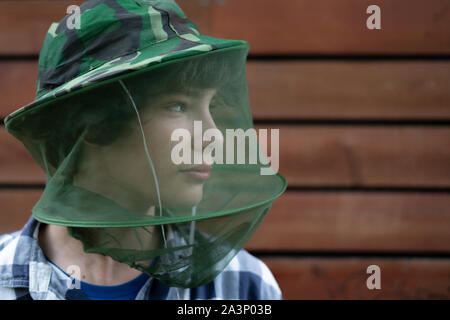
(162, 53)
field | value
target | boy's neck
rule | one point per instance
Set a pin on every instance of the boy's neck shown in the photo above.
(64, 251)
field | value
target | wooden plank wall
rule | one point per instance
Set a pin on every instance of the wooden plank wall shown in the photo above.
(364, 136)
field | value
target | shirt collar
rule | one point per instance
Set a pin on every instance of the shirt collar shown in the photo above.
(29, 269)
(32, 270)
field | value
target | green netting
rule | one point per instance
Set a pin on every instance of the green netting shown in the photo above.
(108, 155)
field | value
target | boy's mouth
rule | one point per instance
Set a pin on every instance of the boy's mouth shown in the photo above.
(198, 173)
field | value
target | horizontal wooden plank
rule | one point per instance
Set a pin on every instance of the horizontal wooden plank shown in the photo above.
(355, 221)
(306, 90)
(290, 27)
(16, 208)
(24, 24)
(345, 278)
(335, 27)
(413, 156)
(349, 89)
(319, 221)
(17, 165)
(17, 84)
(365, 155)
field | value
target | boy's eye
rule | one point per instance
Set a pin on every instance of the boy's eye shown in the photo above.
(176, 108)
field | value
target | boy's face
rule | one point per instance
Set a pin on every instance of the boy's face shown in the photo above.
(125, 164)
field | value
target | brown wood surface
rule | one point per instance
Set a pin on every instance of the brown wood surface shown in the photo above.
(356, 221)
(24, 24)
(335, 27)
(365, 155)
(319, 156)
(296, 89)
(17, 84)
(281, 27)
(319, 221)
(16, 205)
(16, 164)
(306, 90)
(345, 278)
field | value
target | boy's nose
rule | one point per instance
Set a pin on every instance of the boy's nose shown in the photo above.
(209, 123)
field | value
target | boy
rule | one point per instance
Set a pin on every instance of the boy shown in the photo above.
(116, 210)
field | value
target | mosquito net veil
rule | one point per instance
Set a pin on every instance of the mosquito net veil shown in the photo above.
(156, 169)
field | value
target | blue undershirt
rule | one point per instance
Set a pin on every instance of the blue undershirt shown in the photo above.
(125, 291)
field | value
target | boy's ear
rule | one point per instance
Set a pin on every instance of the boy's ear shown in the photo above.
(96, 135)
(90, 144)
(91, 138)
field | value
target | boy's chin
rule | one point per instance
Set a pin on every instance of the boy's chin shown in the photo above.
(184, 201)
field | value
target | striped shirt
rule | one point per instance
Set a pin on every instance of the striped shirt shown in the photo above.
(25, 273)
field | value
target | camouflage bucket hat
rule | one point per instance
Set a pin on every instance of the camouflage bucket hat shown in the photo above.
(116, 38)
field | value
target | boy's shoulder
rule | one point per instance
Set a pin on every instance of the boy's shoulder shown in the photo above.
(8, 246)
(250, 277)
(10, 286)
